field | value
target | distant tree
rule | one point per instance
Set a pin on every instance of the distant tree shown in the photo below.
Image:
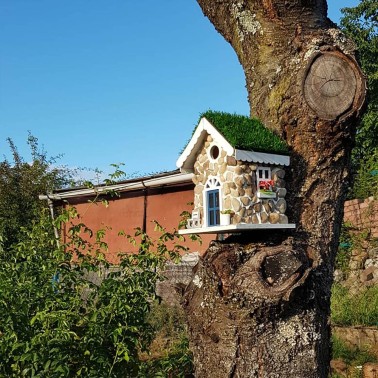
(21, 182)
(360, 23)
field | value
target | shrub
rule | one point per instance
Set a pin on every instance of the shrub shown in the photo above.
(169, 354)
(57, 321)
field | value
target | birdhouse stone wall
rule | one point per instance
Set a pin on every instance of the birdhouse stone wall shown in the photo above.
(238, 191)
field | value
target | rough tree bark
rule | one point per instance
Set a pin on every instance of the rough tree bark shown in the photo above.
(259, 303)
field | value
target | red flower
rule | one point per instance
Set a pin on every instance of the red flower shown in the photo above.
(266, 184)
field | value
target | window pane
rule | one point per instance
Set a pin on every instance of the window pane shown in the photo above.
(211, 220)
(213, 207)
(211, 200)
(216, 195)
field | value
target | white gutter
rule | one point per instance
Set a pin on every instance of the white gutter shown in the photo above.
(149, 183)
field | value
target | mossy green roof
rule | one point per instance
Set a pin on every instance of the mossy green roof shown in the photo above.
(246, 133)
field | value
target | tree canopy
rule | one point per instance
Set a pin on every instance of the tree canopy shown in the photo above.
(21, 182)
(360, 23)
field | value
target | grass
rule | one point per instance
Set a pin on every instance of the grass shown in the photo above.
(351, 356)
(354, 358)
(351, 310)
(246, 133)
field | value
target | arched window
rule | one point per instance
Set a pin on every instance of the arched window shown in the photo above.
(212, 200)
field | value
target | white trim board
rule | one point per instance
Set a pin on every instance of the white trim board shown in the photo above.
(241, 227)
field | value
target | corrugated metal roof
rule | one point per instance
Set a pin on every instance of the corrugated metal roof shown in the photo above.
(159, 180)
(262, 157)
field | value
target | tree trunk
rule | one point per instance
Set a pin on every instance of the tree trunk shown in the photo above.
(259, 303)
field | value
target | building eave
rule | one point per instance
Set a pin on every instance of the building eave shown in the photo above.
(149, 182)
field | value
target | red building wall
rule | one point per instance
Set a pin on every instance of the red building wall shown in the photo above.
(138, 208)
(127, 212)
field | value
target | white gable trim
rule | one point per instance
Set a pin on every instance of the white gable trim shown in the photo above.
(186, 161)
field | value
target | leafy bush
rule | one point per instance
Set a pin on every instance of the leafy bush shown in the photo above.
(366, 180)
(345, 249)
(358, 309)
(65, 311)
(353, 239)
(167, 319)
(174, 362)
(169, 354)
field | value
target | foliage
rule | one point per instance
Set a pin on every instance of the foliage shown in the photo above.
(366, 180)
(344, 252)
(350, 240)
(65, 311)
(167, 319)
(169, 354)
(184, 216)
(227, 211)
(20, 184)
(355, 239)
(245, 133)
(360, 23)
(357, 309)
(177, 362)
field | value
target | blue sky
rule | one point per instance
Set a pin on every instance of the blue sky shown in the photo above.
(105, 82)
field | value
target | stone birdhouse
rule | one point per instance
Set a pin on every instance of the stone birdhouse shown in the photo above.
(237, 187)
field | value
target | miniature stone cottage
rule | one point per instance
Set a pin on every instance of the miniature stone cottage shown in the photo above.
(238, 186)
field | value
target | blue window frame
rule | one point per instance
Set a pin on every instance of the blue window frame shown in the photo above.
(213, 208)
